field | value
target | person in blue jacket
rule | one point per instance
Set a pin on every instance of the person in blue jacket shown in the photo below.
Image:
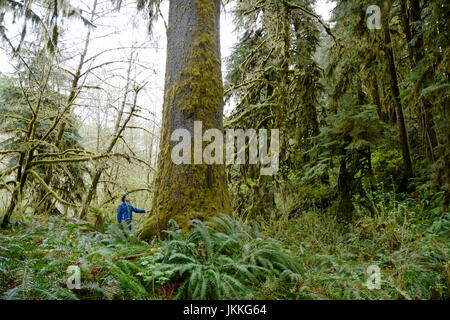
(125, 212)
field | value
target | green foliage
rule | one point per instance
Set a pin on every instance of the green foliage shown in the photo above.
(309, 257)
(310, 232)
(413, 257)
(351, 132)
(221, 259)
(218, 260)
(34, 258)
(67, 178)
(50, 25)
(275, 82)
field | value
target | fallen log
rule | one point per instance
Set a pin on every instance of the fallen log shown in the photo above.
(134, 256)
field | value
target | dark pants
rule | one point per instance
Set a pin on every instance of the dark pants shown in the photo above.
(126, 226)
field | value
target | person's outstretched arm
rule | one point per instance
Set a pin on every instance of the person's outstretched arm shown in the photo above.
(139, 210)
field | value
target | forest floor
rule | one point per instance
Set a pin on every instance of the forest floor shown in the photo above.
(318, 260)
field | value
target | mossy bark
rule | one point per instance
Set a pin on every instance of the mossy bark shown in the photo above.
(403, 133)
(193, 92)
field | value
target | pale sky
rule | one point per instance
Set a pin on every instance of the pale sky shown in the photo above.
(324, 8)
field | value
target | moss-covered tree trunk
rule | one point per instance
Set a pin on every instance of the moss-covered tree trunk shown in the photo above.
(415, 50)
(403, 136)
(193, 92)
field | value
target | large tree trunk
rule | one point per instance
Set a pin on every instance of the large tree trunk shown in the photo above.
(193, 92)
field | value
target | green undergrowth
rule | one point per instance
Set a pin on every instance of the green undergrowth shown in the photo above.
(309, 257)
(36, 252)
(407, 241)
(220, 259)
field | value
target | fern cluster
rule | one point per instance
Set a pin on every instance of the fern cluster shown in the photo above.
(308, 257)
(35, 255)
(220, 259)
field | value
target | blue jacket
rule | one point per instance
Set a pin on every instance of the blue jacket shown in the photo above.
(124, 212)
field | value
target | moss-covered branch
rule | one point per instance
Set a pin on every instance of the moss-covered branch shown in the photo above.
(66, 152)
(80, 159)
(49, 190)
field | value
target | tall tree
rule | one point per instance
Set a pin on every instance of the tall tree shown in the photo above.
(193, 92)
(275, 81)
(403, 136)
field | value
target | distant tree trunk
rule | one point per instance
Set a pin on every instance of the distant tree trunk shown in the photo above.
(376, 100)
(415, 55)
(406, 28)
(16, 195)
(396, 98)
(193, 92)
(345, 191)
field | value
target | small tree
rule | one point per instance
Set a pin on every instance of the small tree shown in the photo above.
(346, 141)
